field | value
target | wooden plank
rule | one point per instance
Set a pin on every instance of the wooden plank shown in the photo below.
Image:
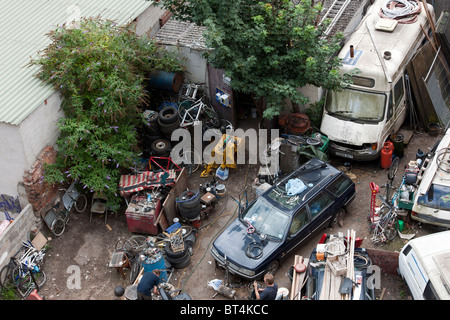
(169, 209)
(294, 279)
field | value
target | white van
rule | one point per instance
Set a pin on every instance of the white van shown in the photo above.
(360, 118)
(432, 197)
(424, 264)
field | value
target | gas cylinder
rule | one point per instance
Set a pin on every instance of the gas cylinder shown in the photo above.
(386, 154)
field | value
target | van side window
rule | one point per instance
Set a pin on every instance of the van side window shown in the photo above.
(299, 221)
(340, 185)
(319, 203)
(398, 91)
(407, 250)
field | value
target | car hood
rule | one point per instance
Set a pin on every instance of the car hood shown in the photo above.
(234, 241)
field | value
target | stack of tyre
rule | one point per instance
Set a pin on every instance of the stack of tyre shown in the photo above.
(180, 259)
(188, 204)
(159, 128)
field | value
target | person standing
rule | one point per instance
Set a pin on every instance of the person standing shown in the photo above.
(148, 285)
(269, 293)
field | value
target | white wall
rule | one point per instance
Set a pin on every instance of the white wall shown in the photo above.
(40, 129)
(194, 64)
(22, 144)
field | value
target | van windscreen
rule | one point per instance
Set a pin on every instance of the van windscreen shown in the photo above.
(356, 105)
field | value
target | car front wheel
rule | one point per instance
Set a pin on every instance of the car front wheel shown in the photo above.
(272, 267)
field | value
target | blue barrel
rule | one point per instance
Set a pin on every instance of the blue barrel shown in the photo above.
(166, 81)
(156, 263)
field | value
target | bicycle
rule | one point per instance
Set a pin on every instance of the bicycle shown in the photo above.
(57, 218)
(385, 228)
(24, 274)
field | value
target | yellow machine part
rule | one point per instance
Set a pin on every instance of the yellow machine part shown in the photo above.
(226, 149)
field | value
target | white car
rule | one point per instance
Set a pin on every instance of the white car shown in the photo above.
(432, 198)
(424, 264)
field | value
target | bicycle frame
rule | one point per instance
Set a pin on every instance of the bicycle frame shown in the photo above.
(153, 159)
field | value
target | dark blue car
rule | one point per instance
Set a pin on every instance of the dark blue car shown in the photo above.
(309, 199)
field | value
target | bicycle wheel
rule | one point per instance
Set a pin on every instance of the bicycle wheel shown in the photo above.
(393, 168)
(8, 290)
(58, 227)
(390, 231)
(22, 280)
(191, 161)
(81, 203)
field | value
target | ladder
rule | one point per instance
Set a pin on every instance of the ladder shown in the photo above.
(334, 13)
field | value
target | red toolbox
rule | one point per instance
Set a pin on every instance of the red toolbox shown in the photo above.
(141, 215)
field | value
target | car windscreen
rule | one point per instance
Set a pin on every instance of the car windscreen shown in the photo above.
(267, 219)
(437, 196)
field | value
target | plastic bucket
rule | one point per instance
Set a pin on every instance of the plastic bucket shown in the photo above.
(398, 141)
(401, 225)
(433, 129)
(282, 294)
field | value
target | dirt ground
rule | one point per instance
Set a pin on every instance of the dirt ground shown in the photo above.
(85, 248)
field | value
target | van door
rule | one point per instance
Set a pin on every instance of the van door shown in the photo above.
(396, 108)
(416, 276)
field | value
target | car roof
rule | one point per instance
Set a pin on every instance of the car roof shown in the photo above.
(315, 174)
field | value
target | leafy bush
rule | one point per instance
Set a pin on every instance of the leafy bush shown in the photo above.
(99, 68)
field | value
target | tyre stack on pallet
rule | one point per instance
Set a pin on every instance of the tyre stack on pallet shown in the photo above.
(158, 130)
(180, 258)
(189, 206)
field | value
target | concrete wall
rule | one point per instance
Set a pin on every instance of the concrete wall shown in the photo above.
(18, 231)
(195, 66)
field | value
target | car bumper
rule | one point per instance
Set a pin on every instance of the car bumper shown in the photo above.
(428, 219)
(365, 154)
(235, 269)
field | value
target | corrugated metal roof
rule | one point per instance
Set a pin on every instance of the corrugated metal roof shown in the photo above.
(181, 33)
(23, 28)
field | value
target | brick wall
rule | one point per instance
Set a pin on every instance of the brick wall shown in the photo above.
(40, 193)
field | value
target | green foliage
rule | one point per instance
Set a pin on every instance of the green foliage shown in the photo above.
(99, 68)
(268, 48)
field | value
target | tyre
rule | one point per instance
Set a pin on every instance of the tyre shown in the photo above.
(171, 254)
(189, 213)
(135, 269)
(191, 161)
(81, 203)
(58, 227)
(180, 262)
(153, 129)
(168, 115)
(189, 199)
(338, 219)
(272, 267)
(393, 168)
(167, 129)
(160, 147)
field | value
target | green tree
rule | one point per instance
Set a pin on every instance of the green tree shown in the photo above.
(99, 68)
(268, 48)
